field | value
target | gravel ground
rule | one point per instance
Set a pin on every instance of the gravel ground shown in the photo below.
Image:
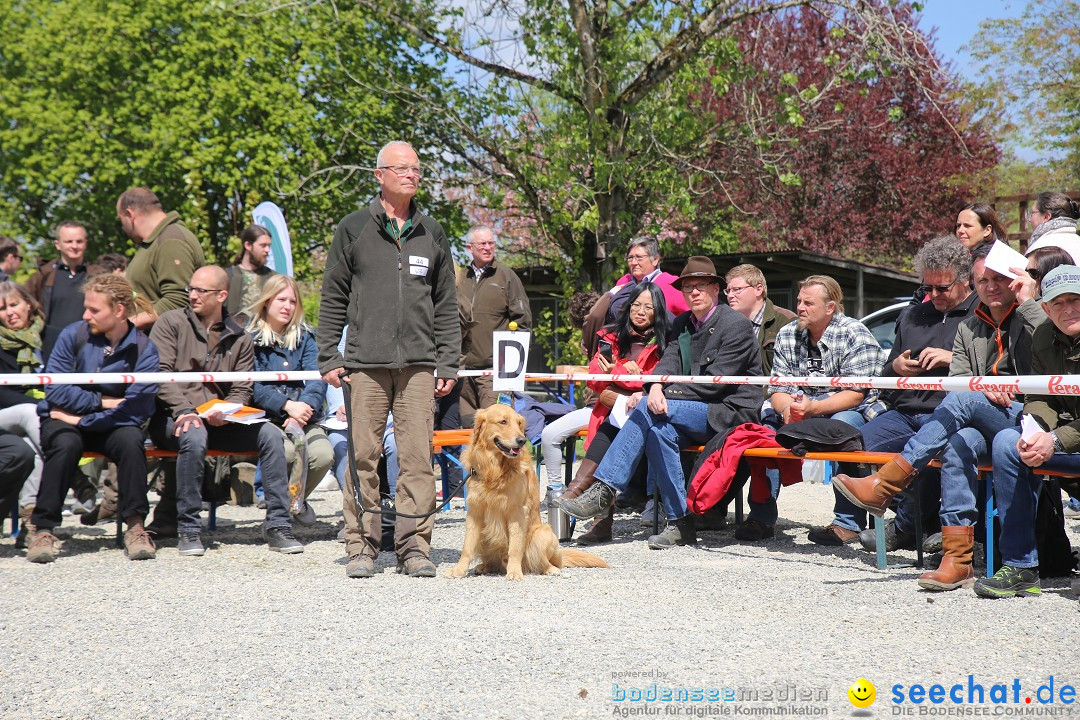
(245, 633)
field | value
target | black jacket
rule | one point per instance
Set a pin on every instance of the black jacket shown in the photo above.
(921, 326)
(399, 302)
(724, 345)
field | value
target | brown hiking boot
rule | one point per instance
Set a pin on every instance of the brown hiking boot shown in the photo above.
(138, 544)
(417, 566)
(955, 570)
(101, 512)
(583, 478)
(600, 532)
(360, 566)
(874, 492)
(43, 548)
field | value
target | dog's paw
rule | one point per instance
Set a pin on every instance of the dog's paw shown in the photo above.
(457, 572)
(553, 571)
(514, 575)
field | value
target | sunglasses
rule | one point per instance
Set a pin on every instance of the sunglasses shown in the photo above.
(1034, 273)
(940, 289)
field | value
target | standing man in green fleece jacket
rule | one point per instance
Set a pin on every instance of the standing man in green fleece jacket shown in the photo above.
(390, 277)
(166, 257)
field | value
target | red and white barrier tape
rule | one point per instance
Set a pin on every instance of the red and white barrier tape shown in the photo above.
(1038, 384)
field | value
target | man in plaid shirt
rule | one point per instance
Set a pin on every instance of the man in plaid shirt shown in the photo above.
(823, 342)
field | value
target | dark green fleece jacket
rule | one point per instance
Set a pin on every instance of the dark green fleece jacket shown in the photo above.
(398, 299)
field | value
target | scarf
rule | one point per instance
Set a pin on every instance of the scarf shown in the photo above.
(25, 343)
(1054, 224)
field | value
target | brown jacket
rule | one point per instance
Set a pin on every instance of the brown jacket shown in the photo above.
(183, 346)
(40, 283)
(488, 305)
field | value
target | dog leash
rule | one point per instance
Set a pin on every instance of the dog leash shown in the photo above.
(347, 391)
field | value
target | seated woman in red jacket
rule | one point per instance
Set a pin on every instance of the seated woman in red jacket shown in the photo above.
(630, 346)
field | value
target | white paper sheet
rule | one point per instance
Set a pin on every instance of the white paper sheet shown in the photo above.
(332, 423)
(1028, 427)
(619, 413)
(1002, 257)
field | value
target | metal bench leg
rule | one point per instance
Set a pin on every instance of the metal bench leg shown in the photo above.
(917, 492)
(991, 513)
(15, 519)
(212, 525)
(119, 530)
(879, 536)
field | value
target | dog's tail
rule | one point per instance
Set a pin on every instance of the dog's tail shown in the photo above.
(580, 558)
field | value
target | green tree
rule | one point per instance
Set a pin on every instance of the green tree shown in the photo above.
(583, 116)
(215, 108)
(1030, 67)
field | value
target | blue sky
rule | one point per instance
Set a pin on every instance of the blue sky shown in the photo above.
(957, 22)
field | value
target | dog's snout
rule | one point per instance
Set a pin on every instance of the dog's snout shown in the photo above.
(520, 440)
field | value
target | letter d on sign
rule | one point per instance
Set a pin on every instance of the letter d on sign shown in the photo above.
(511, 357)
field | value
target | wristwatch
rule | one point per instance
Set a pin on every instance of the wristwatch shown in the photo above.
(1058, 447)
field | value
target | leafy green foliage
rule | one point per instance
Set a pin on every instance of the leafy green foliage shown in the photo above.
(214, 107)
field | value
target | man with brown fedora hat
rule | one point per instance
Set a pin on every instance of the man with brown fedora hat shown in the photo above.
(710, 339)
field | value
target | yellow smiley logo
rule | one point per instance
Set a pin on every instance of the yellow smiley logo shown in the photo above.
(862, 693)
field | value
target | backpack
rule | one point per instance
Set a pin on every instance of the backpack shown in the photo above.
(1056, 556)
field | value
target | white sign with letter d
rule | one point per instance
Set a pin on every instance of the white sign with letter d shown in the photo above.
(511, 357)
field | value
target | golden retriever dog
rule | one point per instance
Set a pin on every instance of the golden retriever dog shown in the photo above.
(503, 527)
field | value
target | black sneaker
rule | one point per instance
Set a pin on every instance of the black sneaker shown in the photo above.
(1010, 581)
(894, 539)
(754, 531)
(281, 539)
(190, 544)
(594, 502)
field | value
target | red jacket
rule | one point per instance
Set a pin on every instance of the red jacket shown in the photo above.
(646, 360)
(714, 477)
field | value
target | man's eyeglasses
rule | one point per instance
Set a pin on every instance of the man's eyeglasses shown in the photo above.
(201, 291)
(689, 289)
(939, 289)
(403, 170)
(729, 291)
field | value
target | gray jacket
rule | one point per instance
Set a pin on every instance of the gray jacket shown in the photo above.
(976, 350)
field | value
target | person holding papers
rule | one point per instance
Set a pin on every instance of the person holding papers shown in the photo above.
(283, 343)
(632, 345)
(204, 338)
(104, 418)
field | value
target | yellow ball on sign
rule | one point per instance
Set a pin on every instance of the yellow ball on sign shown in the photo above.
(512, 326)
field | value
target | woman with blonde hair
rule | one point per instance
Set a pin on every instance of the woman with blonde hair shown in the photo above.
(283, 343)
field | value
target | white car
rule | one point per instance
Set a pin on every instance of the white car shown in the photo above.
(882, 323)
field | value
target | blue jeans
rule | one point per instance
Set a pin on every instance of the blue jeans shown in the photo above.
(960, 431)
(658, 438)
(888, 432)
(766, 512)
(1016, 494)
(192, 446)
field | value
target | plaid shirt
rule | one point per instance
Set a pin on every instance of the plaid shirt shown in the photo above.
(847, 349)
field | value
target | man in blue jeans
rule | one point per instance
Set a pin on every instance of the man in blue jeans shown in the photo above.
(923, 348)
(205, 338)
(823, 342)
(710, 339)
(996, 341)
(1055, 350)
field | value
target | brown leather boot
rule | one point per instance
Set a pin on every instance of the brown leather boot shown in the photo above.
(582, 479)
(874, 492)
(955, 570)
(600, 532)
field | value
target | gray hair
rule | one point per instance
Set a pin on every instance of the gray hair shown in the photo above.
(651, 246)
(480, 228)
(942, 254)
(387, 146)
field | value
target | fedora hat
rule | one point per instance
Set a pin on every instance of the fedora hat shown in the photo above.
(697, 266)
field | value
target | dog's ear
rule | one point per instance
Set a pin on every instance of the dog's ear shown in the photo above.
(478, 424)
